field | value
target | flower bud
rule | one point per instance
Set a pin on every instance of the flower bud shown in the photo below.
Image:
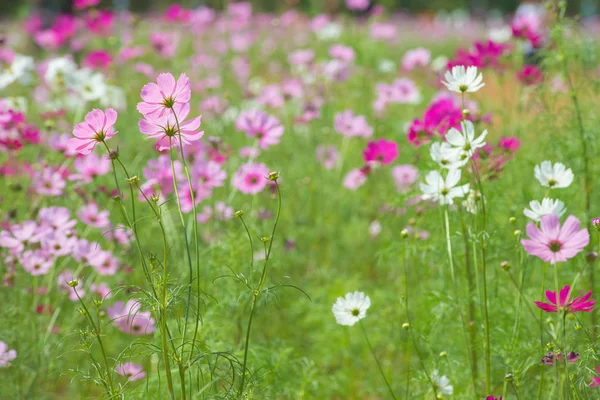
(512, 220)
(73, 283)
(405, 326)
(82, 311)
(505, 265)
(113, 154)
(517, 232)
(238, 213)
(591, 256)
(404, 233)
(466, 112)
(444, 354)
(273, 176)
(134, 180)
(265, 239)
(509, 377)
(97, 303)
(596, 224)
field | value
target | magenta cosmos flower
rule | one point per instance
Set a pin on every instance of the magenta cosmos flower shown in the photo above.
(132, 371)
(251, 178)
(165, 96)
(98, 127)
(169, 130)
(552, 243)
(383, 151)
(577, 304)
(596, 381)
(266, 128)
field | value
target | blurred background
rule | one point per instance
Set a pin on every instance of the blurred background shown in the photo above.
(10, 8)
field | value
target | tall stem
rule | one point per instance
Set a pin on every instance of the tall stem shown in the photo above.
(541, 387)
(364, 331)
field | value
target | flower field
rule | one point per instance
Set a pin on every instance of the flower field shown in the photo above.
(233, 204)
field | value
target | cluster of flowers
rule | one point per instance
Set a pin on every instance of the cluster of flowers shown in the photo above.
(15, 132)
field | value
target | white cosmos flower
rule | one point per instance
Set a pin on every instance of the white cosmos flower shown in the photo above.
(466, 140)
(19, 69)
(470, 203)
(547, 206)
(60, 73)
(443, 190)
(442, 383)
(89, 84)
(553, 176)
(446, 156)
(352, 308)
(462, 79)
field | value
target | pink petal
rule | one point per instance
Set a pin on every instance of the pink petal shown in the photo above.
(550, 225)
(166, 83)
(151, 93)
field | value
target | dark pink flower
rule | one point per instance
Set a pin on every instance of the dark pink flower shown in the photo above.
(383, 151)
(97, 59)
(251, 178)
(530, 75)
(83, 4)
(566, 303)
(98, 127)
(553, 243)
(596, 380)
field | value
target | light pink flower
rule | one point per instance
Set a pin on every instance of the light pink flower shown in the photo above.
(414, 58)
(101, 290)
(91, 215)
(98, 127)
(130, 319)
(566, 303)
(404, 177)
(48, 182)
(553, 243)
(169, 130)
(358, 5)
(56, 218)
(104, 263)
(132, 371)
(266, 128)
(36, 262)
(209, 173)
(6, 355)
(251, 178)
(327, 155)
(89, 167)
(348, 124)
(355, 179)
(165, 96)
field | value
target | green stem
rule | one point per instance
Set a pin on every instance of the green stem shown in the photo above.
(364, 331)
(541, 387)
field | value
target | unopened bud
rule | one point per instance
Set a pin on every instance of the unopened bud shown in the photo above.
(466, 112)
(113, 154)
(82, 311)
(591, 256)
(596, 224)
(405, 326)
(97, 303)
(444, 354)
(509, 377)
(517, 232)
(505, 265)
(273, 176)
(512, 220)
(412, 221)
(403, 233)
(238, 213)
(73, 283)
(134, 180)
(154, 198)
(264, 239)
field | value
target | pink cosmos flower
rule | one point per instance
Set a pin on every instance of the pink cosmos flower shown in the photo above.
(594, 383)
(58, 244)
(104, 263)
(552, 359)
(343, 53)
(36, 262)
(490, 397)
(48, 182)
(530, 75)
(266, 128)
(169, 130)
(553, 243)
(83, 4)
(419, 133)
(327, 155)
(348, 124)
(91, 215)
(414, 58)
(509, 144)
(404, 177)
(566, 303)
(251, 178)
(209, 173)
(98, 127)
(89, 167)
(21, 235)
(130, 319)
(56, 218)
(6, 355)
(382, 151)
(60, 143)
(165, 43)
(354, 179)
(84, 250)
(102, 290)
(97, 59)
(358, 5)
(165, 96)
(132, 371)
